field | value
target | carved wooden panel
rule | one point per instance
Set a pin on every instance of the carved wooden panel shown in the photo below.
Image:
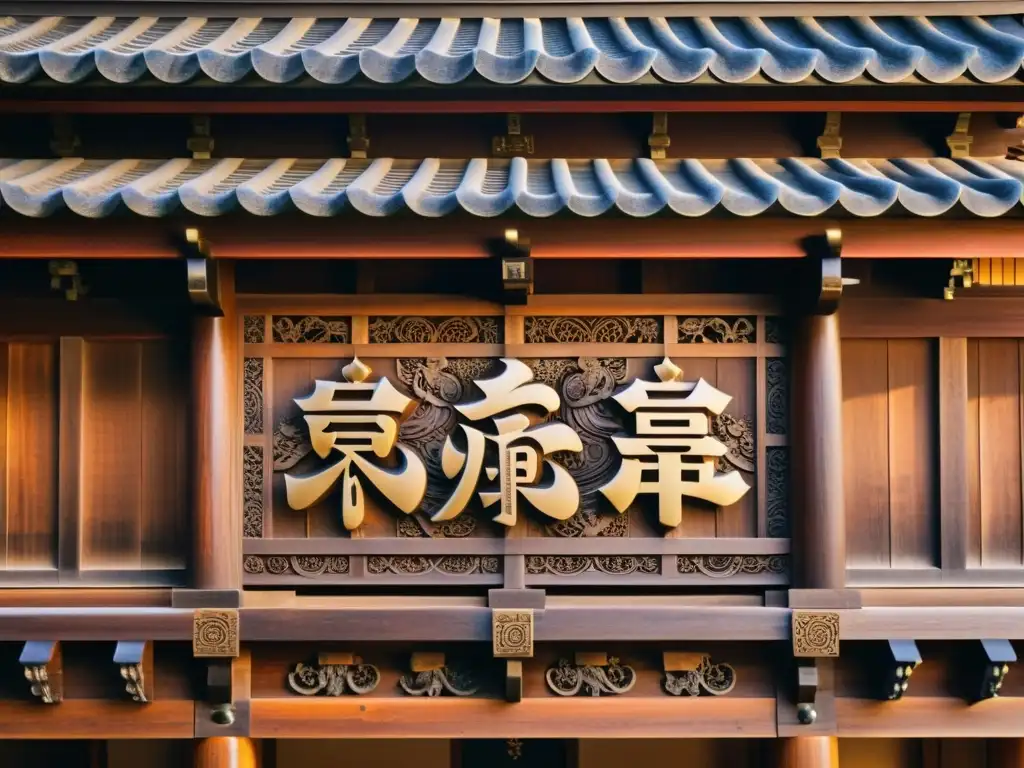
(890, 452)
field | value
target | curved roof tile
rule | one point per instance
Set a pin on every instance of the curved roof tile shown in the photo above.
(560, 50)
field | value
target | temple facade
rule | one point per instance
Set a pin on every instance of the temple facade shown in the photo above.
(511, 384)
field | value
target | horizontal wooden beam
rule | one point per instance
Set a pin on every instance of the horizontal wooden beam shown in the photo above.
(910, 623)
(97, 719)
(930, 717)
(95, 623)
(548, 717)
(967, 316)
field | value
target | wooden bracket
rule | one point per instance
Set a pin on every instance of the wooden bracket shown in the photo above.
(200, 142)
(513, 252)
(959, 141)
(135, 660)
(514, 143)
(358, 139)
(903, 657)
(65, 141)
(807, 682)
(961, 275)
(64, 276)
(659, 140)
(823, 277)
(201, 273)
(996, 656)
(44, 669)
(830, 143)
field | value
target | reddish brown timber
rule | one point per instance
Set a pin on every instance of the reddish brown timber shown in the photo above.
(96, 719)
(967, 316)
(95, 623)
(85, 598)
(927, 716)
(908, 623)
(548, 717)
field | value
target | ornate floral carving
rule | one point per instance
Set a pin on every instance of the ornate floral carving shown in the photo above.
(434, 682)
(309, 566)
(738, 436)
(253, 396)
(716, 679)
(253, 329)
(815, 634)
(135, 684)
(593, 330)
(310, 329)
(724, 566)
(418, 527)
(777, 515)
(436, 330)
(777, 399)
(252, 491)
(612, 565)
(39, 684)
(411, 565)
(215, 633)
(717, 330)
(774, 330)
(512, 633)
(333, 679)
(568, 679)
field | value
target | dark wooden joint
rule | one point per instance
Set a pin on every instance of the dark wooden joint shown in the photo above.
(822, 282)
(44, 669)
(807, 682)
(134, 659)
(206, 598)
(534, 599)
(516, 265)
(513, 681)
(201, 273)
(901, 659)
(993, 660)
(219, 692)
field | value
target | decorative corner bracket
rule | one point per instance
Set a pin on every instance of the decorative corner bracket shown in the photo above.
(960, 140)
(44, 669)
(334, 674)
(514, 143)
(824, 274)
(961, 275)
(902, 658)
(659, 140)
(593, 674)
(516, 267)
(692, 673)
(431, 676)
(830, 143)
(996, 656)
(512, 640)
(65, 141)
(201, 274)
(135, 660)
(200, 141)
(64, 276)
(358, 139)
(215, 633)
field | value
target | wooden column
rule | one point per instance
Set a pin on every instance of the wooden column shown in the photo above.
(1006, 753)
(805, 752)
(226, 752)
(818, 514)
(217, 444)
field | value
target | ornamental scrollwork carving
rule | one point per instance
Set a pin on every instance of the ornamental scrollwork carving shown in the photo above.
(252, 396)
(717, 330)
(435, 682)
(724, 566)
(612, 565)
(252, 491)
(593, 330)
(568, 679)
(135, 684)
(39, 684)
(420, 528)
(411, 565)
(311, 329)
(737, 434)
(777, 460)
(252, 329)
(333, 679)
(291, 443)
(777, 396)
(308, 566)
(815, 634)
(215, 633)
(715, 679)
(436, 330)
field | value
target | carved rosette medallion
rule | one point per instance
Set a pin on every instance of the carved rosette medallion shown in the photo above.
(309, 566)
(215, 633)
(815, 634)
(311, 329)
(333, 679)
(725, 566)
(512, 633)
(717, 330)
(412, 565)
(715, 679)
(568, 679)
(436, 330)
(435, 682)
(592, 330)
(611, 565)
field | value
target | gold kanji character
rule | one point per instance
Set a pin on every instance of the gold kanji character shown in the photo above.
(364, 420)
(672, 441)
(515, 461)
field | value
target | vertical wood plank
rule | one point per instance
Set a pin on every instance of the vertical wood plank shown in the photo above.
(973, 457)
(269, 425)
(111, 481)
(70, 469)
(913, 521)
(954, 444)
(866, 451)
(999, 435)
(736, 378)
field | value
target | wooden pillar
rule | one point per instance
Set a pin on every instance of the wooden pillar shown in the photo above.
(1006, 753)
(217, 444)
(226, 752)
(819, 515)
(805, 752)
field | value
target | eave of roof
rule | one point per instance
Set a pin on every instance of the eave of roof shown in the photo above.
(486, 187)
(444, 51)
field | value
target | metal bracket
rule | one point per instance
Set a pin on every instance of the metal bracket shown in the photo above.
(200, 143)
(824, 274)
(65, 141)
(44, 669)
(64, 276)
(830, 143)
(358, 140)
(659, 140)
(513, 252)
(996, 658)
(514, 143)
(135, 660)
(959, 142)
(201, 274)
(962, 271)
(903, 657)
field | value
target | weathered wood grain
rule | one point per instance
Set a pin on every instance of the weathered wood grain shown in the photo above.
(926, 716)
(92, 719)
(953, 443)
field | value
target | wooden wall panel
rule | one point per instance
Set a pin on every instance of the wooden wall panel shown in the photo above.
(28, 455)
(881, 753)
(890, 453)
(366, 753)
